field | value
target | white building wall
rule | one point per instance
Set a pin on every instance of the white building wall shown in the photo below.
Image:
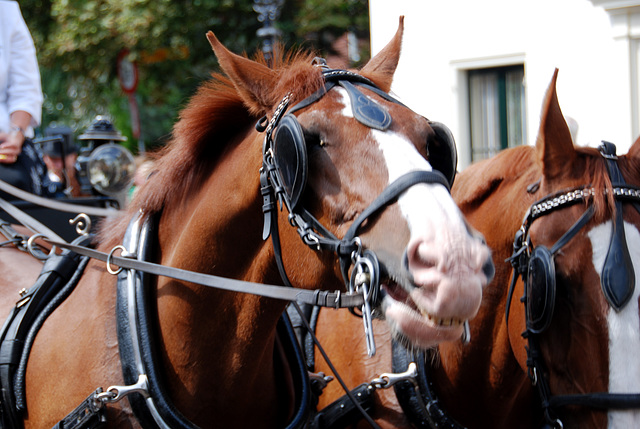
(443, 39)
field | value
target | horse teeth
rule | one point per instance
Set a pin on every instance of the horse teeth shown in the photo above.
(441, 322)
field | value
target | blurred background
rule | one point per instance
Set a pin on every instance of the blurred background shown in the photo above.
(80, 44)
(482, 68)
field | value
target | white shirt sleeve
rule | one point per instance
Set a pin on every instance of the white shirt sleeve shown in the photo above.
(23, 86)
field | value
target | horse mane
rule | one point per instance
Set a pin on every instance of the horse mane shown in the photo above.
(216, 115)
(480, 180)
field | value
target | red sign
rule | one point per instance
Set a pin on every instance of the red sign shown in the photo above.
(127, 73)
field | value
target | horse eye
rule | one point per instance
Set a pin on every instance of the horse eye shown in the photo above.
(313, 140)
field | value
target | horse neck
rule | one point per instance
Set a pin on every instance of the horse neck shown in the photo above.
(470, 378)
(212, 337)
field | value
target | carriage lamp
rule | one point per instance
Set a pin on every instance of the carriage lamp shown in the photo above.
(110, 169)
(104, 166)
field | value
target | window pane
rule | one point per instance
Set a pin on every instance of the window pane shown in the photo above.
(496, 110)
(485, 115)
(515, 107)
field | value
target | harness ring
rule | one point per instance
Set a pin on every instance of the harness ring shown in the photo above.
(109, 269)
(37, 253)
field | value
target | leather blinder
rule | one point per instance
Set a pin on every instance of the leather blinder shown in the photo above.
(540, 289)
(290, 157)
(443, 155)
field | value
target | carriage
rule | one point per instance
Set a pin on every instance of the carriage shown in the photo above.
(304, 184)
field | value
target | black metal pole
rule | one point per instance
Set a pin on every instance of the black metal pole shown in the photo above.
(268, 12)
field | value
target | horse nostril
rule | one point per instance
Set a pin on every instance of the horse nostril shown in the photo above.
(405, 261)
(489, 269)
(420, 257)
(421, 261)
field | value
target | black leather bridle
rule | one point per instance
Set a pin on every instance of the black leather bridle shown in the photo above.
(536, 267)
(366, 271)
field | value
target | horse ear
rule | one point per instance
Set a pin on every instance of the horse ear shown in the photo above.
(252, 80)
(380, 69)
(554, 144)
(634, 151)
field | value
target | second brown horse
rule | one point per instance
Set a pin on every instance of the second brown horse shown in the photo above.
(591, 344)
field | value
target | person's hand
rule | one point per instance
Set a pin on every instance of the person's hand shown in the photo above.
(10, 146)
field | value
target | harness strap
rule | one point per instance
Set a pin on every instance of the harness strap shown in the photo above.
(71, 261)
(350, 398)
(518, 262)
(313, 97)
(520, 251)
(348, 392)
(393, 191)
(390, 194)
(334, 299)
(567, 236)
(536, 375)
(343, 412)
(618, 277)
(136, 339)
(603, 400)
(418, 399)
(91, 414)
(30, 222)
(12, 236)
(58, 278)
(53, 204)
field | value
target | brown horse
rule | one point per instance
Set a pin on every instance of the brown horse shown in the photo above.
(581, 331)
(213, 357)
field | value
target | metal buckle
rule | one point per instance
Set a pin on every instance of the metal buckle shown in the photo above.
(387, 380)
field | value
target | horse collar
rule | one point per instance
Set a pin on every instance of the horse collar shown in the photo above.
(138, 354)
(417, 398)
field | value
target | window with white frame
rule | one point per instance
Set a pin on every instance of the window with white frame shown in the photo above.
(496, 110)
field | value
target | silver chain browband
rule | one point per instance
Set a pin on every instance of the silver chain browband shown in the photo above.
(566, 198)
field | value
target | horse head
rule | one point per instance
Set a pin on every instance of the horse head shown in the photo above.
(344, 147)
(581, 280)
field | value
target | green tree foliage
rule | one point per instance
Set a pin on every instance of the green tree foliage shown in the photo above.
(321, 21)
(78, 42)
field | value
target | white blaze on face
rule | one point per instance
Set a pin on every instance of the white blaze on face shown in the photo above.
(624, 326)
(429, 209)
